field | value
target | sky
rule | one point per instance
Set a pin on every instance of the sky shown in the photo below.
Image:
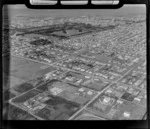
(22, 10)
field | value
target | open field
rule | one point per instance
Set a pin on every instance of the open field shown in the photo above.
(75, 66)
(18, 70)
(86, 115)
(23, 69)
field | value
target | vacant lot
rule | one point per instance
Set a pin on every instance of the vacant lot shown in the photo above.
(23, 68)
(18, 70)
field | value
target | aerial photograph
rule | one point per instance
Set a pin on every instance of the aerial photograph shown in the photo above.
(74, 64)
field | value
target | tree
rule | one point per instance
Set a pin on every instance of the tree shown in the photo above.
(88, 25)
(64, 30)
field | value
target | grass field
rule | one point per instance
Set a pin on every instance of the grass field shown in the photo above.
(23, 68)
(86, 115)
(10, 81)
(17, 71)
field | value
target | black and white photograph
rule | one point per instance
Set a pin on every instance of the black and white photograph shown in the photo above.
(43, 2)
(105, 2)
(74, 64)
(74, 2)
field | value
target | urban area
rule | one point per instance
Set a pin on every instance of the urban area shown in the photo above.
(78, 68)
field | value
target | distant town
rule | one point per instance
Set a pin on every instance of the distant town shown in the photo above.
(80, 68)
